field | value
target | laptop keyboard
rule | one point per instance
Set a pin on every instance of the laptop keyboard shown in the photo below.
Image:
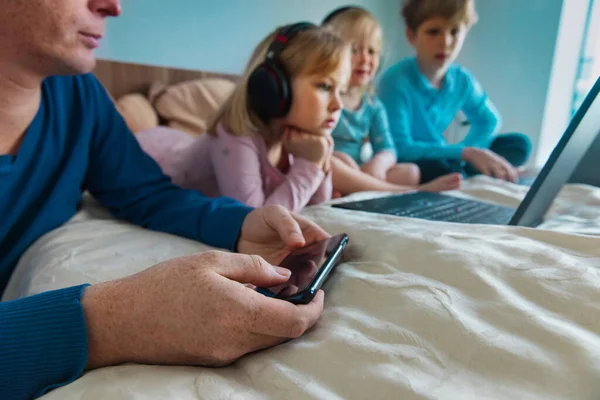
(436, 207)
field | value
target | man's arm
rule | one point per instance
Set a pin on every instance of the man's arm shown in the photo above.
(43, 343)
(130, 183)
(47, 340)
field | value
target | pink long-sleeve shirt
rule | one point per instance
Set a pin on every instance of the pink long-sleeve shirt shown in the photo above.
(235, 166)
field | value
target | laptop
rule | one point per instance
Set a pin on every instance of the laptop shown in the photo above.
(567, 156)
(588, 169)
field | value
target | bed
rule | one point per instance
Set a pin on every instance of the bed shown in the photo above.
(416, 310)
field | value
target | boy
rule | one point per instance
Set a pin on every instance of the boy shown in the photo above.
(422, 95)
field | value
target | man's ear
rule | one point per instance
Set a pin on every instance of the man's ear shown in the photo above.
(411, 36)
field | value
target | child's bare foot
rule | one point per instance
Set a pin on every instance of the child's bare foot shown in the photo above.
(446, 182)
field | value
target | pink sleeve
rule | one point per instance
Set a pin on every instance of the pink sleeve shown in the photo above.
(324, 192)
(237, 166)
(302, 182)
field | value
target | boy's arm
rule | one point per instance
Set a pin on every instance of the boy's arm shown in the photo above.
(398, 107)
(482, 114)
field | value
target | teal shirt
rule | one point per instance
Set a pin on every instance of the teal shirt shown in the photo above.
(419, 114)
(371, 121)
(79, 142)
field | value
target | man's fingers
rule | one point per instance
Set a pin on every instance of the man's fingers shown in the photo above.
(282, 221)
(312, 232)
(246, 269)
(280, 318)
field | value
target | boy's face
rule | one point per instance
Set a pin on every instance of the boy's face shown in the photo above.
(437, 41)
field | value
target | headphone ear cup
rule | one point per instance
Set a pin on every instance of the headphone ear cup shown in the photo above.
(269, 93)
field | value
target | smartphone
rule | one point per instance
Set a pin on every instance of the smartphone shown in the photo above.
(310, 267)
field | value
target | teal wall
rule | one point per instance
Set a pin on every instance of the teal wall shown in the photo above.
(211, 35)
(511, 52)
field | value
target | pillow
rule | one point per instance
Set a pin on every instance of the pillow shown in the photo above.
(190, 105)
(137, 112)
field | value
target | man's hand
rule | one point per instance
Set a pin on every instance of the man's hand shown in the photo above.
(489, 163)
(192, 310)
(273, 231)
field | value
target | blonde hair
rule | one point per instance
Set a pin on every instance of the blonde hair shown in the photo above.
(356, 23)
(415, 12)
(313, 51)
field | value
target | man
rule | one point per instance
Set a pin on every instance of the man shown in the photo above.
(59, 136)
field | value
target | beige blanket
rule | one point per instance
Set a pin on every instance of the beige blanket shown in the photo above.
(419, 310)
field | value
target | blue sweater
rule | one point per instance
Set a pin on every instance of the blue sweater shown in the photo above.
(77, 142)
(419, 113)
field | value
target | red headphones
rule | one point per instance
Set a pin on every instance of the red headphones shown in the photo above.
(269, 90)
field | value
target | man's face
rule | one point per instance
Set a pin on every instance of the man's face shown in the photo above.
(51, 37)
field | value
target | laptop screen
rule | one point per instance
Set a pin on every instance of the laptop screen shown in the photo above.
(566, 156)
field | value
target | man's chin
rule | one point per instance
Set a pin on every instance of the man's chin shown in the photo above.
(77, 66)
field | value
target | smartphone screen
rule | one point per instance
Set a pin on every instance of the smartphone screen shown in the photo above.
(310, 266)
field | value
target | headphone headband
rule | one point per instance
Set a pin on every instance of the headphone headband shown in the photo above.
(283, 36)
(337, 12)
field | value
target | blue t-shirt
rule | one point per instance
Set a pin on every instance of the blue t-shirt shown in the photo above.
(79, 142)
(370, 120)
(419, 113)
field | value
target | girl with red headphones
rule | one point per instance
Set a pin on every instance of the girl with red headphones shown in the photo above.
(270, 142)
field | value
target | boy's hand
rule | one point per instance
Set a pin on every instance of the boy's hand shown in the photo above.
(489, 163)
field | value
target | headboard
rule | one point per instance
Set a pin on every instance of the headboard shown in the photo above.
(121, 78)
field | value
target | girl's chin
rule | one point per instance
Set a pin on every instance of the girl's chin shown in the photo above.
(358, 82)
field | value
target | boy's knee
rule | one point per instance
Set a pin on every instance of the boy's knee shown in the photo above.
(523, 142)
(515, 147)
(514, 140)
(414, 173)
(407, 173)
